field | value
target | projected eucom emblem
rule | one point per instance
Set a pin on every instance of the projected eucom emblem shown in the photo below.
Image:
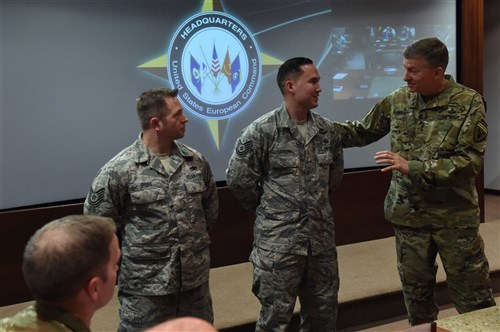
(214, 62)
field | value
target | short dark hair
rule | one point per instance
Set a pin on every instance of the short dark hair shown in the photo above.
(62, 256)
(291, 69)
(151, 103)
(432, 50)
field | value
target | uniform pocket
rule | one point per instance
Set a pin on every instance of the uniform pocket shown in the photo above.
(195, 187)
(146, 267)
(473, 251)
(147, 253)
(194, 201)
(131, 319)
(325, 158)
(145, 195)
(283, 161)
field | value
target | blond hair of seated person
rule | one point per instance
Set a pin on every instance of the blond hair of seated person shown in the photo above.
(70, 266)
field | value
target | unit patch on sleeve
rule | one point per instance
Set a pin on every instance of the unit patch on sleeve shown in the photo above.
(480, 132)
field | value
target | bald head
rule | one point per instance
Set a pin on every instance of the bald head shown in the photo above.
(183, 324)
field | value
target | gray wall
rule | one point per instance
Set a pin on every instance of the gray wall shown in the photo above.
(491, 92)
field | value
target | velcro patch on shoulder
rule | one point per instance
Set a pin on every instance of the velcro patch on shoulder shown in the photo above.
(480, 132)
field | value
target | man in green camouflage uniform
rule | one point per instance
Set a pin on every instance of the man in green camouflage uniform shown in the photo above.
(70, 266)
(163, 197)
(438, 135)
(285, 166)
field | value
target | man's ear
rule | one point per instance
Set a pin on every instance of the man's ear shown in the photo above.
(289, 86)
(154, 123)
(94, 287)
(439, 72)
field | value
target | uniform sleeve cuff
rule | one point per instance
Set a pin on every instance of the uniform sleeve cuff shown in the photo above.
(415, 168)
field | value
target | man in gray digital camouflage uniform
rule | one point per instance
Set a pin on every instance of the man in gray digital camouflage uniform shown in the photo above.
(438, 135)
(284, 167)
(162, 195)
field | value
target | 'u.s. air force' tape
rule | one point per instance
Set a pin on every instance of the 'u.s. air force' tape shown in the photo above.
(243, 148)
(96, 197)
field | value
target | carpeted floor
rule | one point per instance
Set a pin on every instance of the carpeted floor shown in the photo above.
(400, 323)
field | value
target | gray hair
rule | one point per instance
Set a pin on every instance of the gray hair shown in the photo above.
(432, 50)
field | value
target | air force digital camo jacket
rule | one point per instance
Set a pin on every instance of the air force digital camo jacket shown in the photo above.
(163, 217)
(287, 180)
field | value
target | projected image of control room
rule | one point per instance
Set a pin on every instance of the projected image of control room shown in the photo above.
(368, 62)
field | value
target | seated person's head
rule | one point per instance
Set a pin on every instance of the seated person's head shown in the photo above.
(73, 257)
(186, 324)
